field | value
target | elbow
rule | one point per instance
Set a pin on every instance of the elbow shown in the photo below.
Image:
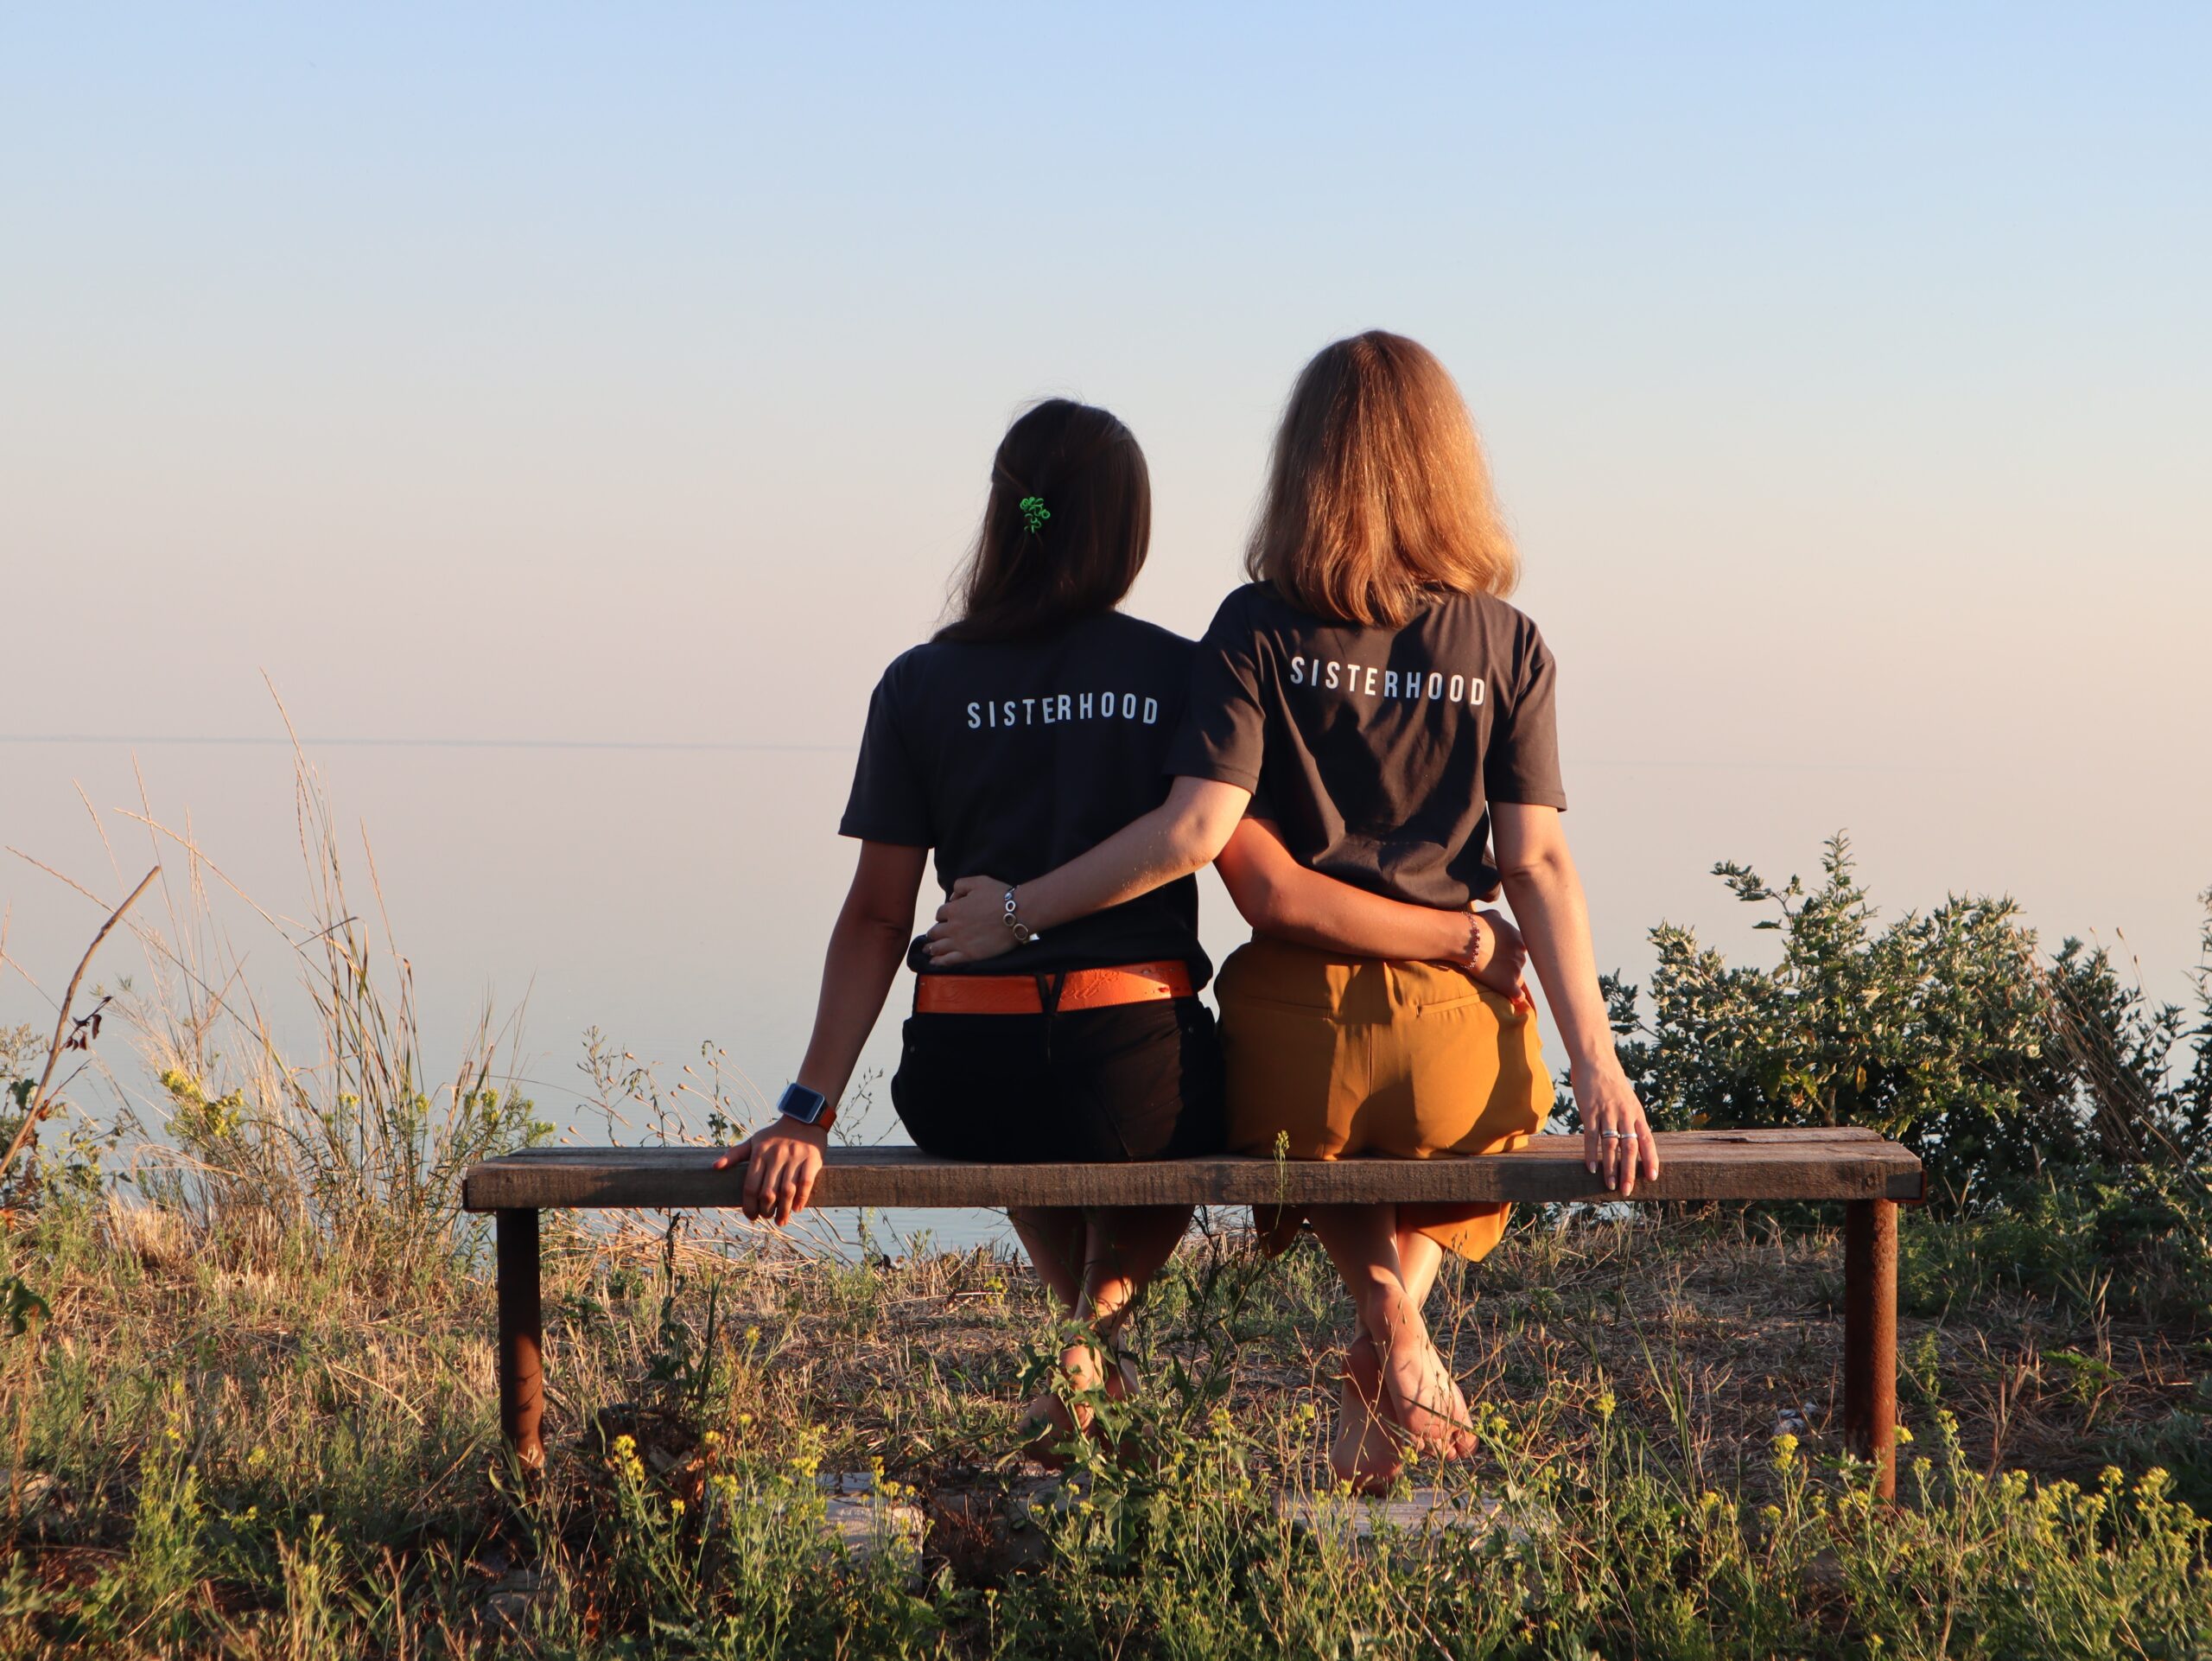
(898, 929)
(1259, 900)
(1533, 868)
(867, 918)
(1190, 848)
(1195, 840)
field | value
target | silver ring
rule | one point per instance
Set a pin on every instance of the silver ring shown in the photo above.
(1610, 1135)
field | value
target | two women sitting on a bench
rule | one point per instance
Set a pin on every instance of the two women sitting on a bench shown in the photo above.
(1361, 725)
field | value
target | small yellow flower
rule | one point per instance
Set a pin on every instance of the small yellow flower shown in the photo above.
(1905, 1434)
(711, 1440)
(1785, 1449)
(676, 1508)
(1606, 1403)
(625, 1446)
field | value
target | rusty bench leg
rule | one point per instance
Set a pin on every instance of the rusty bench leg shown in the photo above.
(522, 1374)
(1870, 1337)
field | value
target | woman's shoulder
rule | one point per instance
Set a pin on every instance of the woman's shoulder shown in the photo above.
(1495, 617)
(917, 663)
(1250, 607)
(1136, 631)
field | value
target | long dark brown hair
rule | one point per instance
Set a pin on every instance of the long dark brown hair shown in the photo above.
(1085, 469)
(1378, 490)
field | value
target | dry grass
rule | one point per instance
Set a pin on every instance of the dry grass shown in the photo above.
(293, 1388)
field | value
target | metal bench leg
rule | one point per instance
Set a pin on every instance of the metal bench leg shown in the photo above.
(1870, 1337)
(522, 1374)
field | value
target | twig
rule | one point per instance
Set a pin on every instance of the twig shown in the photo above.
(36, 1105)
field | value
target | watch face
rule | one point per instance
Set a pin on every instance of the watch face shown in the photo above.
(801, 1103)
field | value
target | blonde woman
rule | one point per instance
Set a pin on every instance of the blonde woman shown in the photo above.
(1370, 709)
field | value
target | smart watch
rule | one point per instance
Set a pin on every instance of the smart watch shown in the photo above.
(805, 1105)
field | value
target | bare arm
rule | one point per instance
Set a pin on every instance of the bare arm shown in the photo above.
(867, 945)
(1290, 902)
(1183, 833)
(1547, 901)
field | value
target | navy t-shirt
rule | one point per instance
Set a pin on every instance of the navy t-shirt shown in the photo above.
(1011, 757)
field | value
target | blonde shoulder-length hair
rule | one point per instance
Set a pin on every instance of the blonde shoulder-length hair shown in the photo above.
(1378, 490)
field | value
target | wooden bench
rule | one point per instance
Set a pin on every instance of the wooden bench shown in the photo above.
(1869, 1175)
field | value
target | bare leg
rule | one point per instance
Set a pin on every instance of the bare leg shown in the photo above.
(1119, 1250)
(1419, 1260)
(1361, 1444)
(1416, 1389)
(1054, 1238)
(1128, 1244)
(1058, 1242)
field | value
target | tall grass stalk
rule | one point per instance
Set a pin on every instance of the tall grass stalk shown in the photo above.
(356, 1147)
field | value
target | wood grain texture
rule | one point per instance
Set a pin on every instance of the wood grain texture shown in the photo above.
(1845, 1163)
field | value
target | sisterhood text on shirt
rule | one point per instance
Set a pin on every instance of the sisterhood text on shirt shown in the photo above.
(1373, 682)
(1056, 708)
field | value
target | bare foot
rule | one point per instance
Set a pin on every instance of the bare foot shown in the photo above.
(1364, 1453)
(1046, 1429)
(1051, 1421)
(1420, 1396)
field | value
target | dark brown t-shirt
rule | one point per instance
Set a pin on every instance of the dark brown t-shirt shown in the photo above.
(1011, 757)
(1377, 751)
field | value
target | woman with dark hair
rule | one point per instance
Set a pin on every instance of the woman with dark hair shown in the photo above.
(1035, 724)
(1383, 718)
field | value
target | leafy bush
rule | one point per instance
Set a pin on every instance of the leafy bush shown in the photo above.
(2003, 1069)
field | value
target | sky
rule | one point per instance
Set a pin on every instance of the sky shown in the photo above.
(629, 376)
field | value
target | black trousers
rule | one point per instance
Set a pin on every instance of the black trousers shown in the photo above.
(1130, 1081)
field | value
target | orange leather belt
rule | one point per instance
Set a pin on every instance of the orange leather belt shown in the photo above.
(1080, 988)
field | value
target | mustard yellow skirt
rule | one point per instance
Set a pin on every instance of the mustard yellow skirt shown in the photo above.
(1348, 1057)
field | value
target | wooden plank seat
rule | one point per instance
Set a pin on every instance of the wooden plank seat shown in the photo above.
(1869, 1175)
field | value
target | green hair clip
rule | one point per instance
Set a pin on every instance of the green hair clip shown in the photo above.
(1034, 513)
